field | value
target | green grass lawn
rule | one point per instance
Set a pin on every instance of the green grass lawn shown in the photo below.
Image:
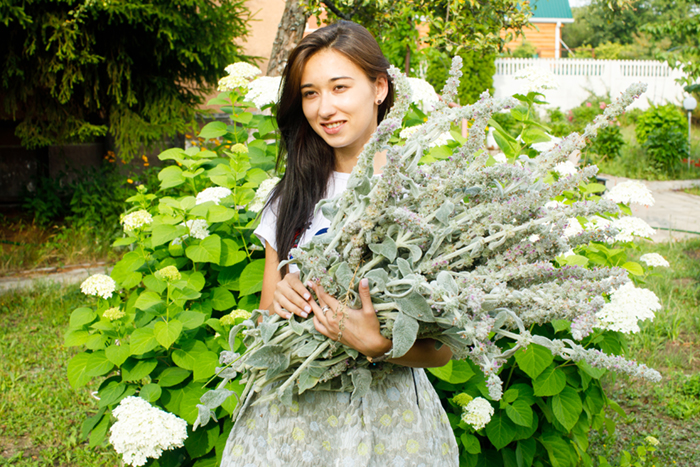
(41, 415)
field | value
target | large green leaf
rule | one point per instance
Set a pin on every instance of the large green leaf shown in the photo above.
(111, 393)
(567, 407)
(222, 299)
(206, 365)
(150, 392)
(213, 130)
(471, 443)
(550, 382)
(206, 251)
(534, 359)
(167, 332)
(142, 340)
(150, 301)
(77, 375)
(520, 413)
(171, 177)
(191, 319)
(188, 405)
(98, 364)
(201, 441)
(163, 233)
(81, 316)
(525, 452)
(455, 372)
(557, 448)
(125, 272)
(500, 430)
(230, 253)
(405, 333)
(75, 338)
(135, 370)
(118, 354)
(251, 278)
(99, 432)
(186, 357)
(172, 376)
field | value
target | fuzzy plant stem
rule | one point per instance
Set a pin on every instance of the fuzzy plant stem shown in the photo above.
(306, 363)
(244, 395)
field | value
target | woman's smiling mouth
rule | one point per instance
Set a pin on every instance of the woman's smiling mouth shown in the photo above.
(332, 127)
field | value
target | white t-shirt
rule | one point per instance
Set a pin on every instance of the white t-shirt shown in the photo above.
(267, 230)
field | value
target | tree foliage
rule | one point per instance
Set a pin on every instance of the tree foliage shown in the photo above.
(73, 71)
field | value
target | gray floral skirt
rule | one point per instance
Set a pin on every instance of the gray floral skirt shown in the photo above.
(400, 422)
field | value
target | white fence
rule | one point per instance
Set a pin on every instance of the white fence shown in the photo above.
(579, 77)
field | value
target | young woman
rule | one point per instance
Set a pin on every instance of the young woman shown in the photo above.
(336, 91)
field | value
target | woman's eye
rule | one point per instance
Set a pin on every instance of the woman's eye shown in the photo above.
(308, 93)
(340, 87)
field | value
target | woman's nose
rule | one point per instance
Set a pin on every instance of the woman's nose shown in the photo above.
(326, 107)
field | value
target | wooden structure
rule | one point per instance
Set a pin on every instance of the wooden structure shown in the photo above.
(544, 33)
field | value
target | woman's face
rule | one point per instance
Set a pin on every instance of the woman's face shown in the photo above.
(340, 102)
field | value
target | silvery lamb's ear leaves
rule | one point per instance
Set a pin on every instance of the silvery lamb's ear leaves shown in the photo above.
(387, 248)
(415, 306)
(405, 333)
(379, 277)
(328, 208)
(306, 349)
(278, 364)
(447, 282)
(286, 396)
(361, 379)
(343, 274)
(215, 397)
(443, 214)
(297, 328)
(264, 356)
(392, 230)
(416, 252)
(361, 185)
(404, 267)
(306, 380)
(267, 330)
(352, 352)
(472, 191)
(204, 414)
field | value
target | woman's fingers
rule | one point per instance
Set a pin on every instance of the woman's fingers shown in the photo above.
(296, 306)
(365, 297)
(293, 296)
(277, 308)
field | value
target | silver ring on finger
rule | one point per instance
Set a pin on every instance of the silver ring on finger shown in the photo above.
(325, 309)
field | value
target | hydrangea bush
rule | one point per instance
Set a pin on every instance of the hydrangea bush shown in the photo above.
(156, 326)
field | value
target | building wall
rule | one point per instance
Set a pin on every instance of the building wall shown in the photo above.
(542, 36)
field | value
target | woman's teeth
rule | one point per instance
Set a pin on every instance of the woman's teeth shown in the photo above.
(333, 125)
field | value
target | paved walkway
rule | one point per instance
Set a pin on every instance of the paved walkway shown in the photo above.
(70, 275)
(673, 210)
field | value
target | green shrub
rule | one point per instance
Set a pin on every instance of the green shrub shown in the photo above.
(525, 50)
(667, 117)
(608, 143)
(667, 147)
(478, 70)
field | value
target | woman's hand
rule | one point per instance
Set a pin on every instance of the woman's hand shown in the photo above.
(360, 328)
(292, 297)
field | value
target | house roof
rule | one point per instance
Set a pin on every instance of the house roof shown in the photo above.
(551, 11)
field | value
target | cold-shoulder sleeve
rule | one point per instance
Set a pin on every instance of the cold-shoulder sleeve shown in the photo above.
(267, 229)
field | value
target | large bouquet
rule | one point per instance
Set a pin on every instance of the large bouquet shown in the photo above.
(461, 250)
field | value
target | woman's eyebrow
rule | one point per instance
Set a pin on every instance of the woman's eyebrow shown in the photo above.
(308, 85)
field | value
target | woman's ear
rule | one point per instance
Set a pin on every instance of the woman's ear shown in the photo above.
(382, 88)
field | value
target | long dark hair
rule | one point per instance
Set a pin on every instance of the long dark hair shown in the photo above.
(310, 160)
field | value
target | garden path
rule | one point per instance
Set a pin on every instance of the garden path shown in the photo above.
(675, 214)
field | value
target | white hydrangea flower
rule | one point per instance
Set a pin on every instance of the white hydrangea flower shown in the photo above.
(99, 285)
(423, 94)
(142, 431)
(573, 228)
(537, 79)
(239, 74)
(565, 168)
(655, 260)
(262, 194)
(264, 90)
(199, 228)
(215, 194)
(136, 220)
(628, 305)
(631, 227)
(631, 191)
(478, 413)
